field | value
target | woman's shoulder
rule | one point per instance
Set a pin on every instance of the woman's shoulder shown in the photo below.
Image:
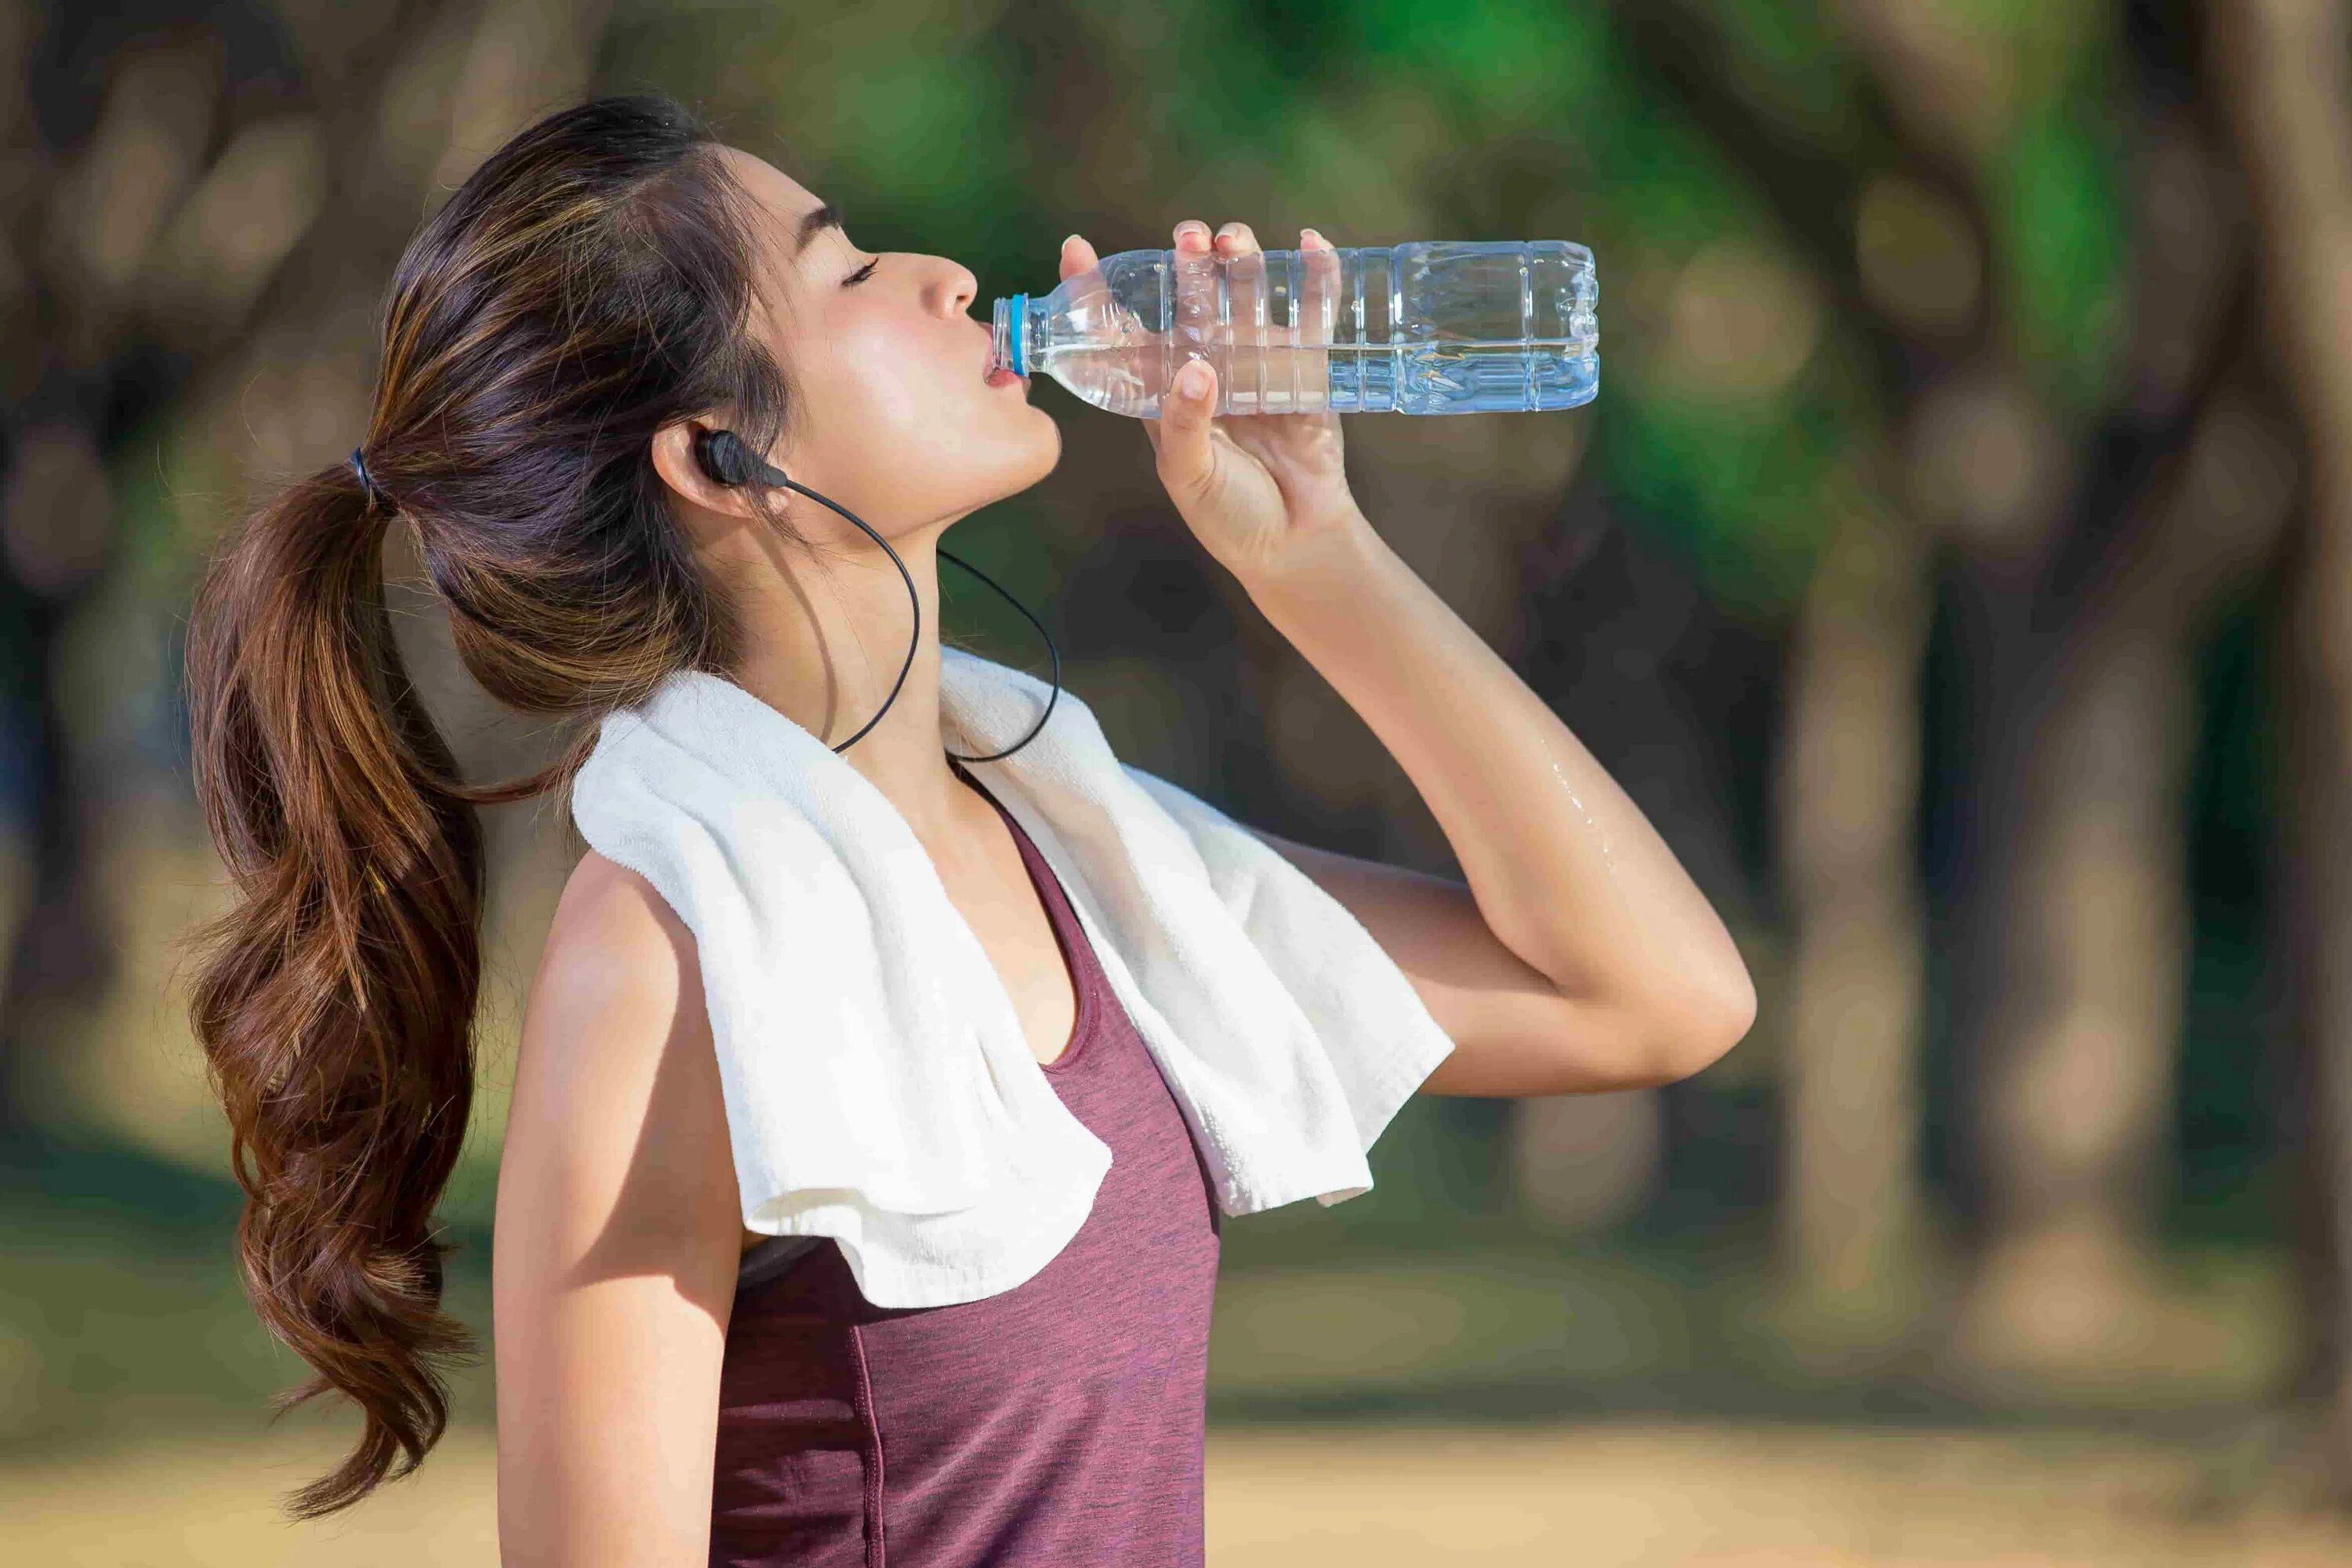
(612, 936)
(617, 985)
(614, 1017)
(615, 1159)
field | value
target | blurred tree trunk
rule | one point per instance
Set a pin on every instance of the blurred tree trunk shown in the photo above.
(2283, 78)
(2092, 919)
(1846, 793)
(1847, 797)
(2079, 598)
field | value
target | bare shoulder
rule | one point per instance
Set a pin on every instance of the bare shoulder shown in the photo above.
(617, 1122)
(612, 930)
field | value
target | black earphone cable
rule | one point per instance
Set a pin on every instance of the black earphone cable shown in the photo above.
(725, 458)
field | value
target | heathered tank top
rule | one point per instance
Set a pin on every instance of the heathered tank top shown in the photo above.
(1054, 1425)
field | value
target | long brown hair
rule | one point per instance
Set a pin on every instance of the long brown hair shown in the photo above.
(592, 281)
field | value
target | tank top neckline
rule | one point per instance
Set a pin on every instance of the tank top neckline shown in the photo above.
(1063, 920)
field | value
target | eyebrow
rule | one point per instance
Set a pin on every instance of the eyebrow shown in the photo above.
(815, 223)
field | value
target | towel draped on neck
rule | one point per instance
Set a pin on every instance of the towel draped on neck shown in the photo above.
(879, 1088)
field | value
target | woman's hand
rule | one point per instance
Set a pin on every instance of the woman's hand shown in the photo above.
(1258, 490)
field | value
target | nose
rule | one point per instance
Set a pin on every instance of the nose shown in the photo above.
(957, 287)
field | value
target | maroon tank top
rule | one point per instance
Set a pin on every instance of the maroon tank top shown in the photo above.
(1056, 1424)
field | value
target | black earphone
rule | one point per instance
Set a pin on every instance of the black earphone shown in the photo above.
(728, 461)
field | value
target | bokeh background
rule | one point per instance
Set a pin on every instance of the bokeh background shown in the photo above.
(1956, 564)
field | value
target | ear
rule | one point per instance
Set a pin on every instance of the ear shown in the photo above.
(673, 460)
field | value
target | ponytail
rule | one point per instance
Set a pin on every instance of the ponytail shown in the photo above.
(589, 286)
(335, 1003)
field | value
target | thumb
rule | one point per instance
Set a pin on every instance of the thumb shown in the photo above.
(1186, 460)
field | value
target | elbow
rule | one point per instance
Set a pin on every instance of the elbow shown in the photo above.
(1687, 1030)
(1627, 1037)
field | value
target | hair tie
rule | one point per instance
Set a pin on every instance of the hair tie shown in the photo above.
(367, 483)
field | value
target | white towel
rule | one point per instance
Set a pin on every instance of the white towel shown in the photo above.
(878, 1086)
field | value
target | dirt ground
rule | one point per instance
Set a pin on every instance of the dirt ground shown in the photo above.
(1702, 1495)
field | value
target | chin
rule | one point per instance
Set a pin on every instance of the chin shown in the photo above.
(1040, 453)
(1051, 442)
(1016, 476)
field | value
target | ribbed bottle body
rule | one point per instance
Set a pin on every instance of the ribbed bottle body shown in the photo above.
(1427, 327)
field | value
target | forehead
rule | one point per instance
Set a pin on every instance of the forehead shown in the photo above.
(787, 200)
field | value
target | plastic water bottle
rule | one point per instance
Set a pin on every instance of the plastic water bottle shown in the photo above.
(1428, 327)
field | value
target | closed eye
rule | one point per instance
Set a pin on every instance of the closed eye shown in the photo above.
(863, 273)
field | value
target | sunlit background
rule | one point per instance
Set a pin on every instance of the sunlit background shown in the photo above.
(1956, 564)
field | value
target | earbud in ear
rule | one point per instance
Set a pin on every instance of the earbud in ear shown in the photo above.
(728, 461)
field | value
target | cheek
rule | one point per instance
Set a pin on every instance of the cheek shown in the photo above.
(891, 386)
(910, 420)
(870, 387)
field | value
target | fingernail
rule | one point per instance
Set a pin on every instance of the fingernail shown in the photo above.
(1069, 241)
(1316, 235)
(1193, 225)
(1192, 381)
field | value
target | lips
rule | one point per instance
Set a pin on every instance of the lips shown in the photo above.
(996, 375)
(993, 371)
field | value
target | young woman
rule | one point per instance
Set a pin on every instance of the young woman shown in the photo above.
(560, 340)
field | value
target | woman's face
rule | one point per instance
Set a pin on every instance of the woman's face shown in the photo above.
(894, 419)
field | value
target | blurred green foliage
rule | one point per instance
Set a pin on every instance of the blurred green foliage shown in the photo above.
(2058, 239)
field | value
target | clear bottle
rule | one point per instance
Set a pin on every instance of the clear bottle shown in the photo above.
(1427, 327)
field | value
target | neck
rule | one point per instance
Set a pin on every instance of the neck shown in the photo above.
(822, 643)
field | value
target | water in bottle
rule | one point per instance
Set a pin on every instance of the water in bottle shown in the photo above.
(1427, 327)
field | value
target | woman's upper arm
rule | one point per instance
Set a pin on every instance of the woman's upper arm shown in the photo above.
(1514, 1031)
(617, 1243)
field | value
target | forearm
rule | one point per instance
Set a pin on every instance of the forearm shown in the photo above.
(1566, 870)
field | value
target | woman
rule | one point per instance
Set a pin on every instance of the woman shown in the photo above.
(561, 340)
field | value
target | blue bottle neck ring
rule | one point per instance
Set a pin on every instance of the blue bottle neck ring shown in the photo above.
(1010, 331)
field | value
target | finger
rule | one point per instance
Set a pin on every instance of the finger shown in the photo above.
(1077, 256)
(1186, 462)
(1192, 323)
(1318, 318)
(1318, 288)
(1079, 261)
(1245, 321)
